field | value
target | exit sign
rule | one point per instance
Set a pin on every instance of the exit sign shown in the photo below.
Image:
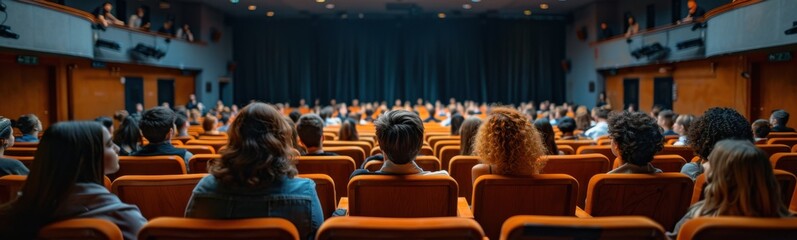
(27, 60)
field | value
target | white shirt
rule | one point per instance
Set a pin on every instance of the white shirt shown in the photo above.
(600, 129)
(134, 21)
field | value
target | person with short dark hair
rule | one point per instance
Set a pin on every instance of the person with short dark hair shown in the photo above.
(311, 135)
(761, 129)
(601, 128)
(104, 15)
(715, 125)
(295, 115)
(105, 122)
(567, 126)
(168, 29)
(128, 136)
(139, 19)
(182, 125)
(9, 166)
(431, 110)
(666, 120)
(547, 136)
(605, 31)
(467, 135)
(328, 119)
(157, 126)
(400, 136)
(210, 125)
(636, 138)
(779, 119)
(30, 126)
(225, 122)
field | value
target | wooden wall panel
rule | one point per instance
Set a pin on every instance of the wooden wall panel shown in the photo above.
(96, 92)
(777, 89)
(26, 89)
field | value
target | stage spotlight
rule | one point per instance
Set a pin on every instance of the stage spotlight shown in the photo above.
(792, 30)
(697, 42)
(652, 52)
(141, 52)
(102, 43)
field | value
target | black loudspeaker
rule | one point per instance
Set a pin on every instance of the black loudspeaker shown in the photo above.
(591, 86)
(208, 87)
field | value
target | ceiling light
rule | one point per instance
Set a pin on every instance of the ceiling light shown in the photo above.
(544, 6)
(361, 16)
(441, 15)
(467, 6)
(270, 13)
(527, 12)
(233, 1)
(320, 1)
(252, 7)
(344, 16)
(330, 6)
(475, 0)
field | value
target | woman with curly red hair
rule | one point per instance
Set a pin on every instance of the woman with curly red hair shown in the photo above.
(508, 145)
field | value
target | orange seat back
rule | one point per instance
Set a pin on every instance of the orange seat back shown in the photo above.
(339, 168)
(26, 144)
(566, 150)
(149, 165)
(663, 197)
(10, 185)
(436, 228)
(214, 137)
(685, 152)
(20, 151)
(667, 163)
(366, 147)
(183, 139)
(329, 136)
(496, 198)
(200, 163)
(425, 150)
(188, 228)
(427, 163)
(575, 144)
(157, 196)
(438, 146)
(81, 228)
(447, 153)
(406, 196)
(325, 188)
(216, 144)
(198, 149)
(603, 150)
(568, 228)
(772, 149)
(786, 182)
(429, 133)
(433, 140)
(784, 161)
(791, 142)
(355, 152)
(460, 169)
(782, 135)
(738, 228)
(581, 167)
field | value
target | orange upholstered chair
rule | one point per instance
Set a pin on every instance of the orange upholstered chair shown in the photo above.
(460, 169)
(785, 161)
(782, 135)
(10, 185)
(222, 137)
(198, 149)
(20, 151)
(440, 144)
(26, 160)
(434, 139)
(339, 168)
(786, 181)
(447, 153)
(437, 228)
(355, 152)
(427, 163)
(176, 142)
(81, 228)
(425, 150)
(200, 163)
(325, 188)
(663, 197)
(575, 144)
(188, 228)
(157, 196)
(329, 136)
(738, 228)
(566, 150)
(184, 139)
(402, 196)
(366, 147)
(496, 198)
(771, 149)
(568, 228)
(26, 144)
(150, 165)
(431, 133)
(216, 144)
(581, 167)
(603, 150)
(791, 142)
(667, 163)
(685, 152)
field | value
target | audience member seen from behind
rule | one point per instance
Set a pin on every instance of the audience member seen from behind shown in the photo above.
(104, 15)
(311, 135)
(210, 126)
(294, 137)
(456, 122)
(105, 122)
(30, 126)
(256, 176)
(739, 182)
(400, 136)
(666, 120)
(348, 130)
(601, 127)
(681, 127)
(467, 135)
(128, 136)
(66, 182)
(567, 126)
(9, 166)
(225, 122)
(761, 129)
(181, 121)
(779, 119)
(547, 136)
(583, 119)
(715, 125)
(636, 138)
(157, 126)
(508, 145)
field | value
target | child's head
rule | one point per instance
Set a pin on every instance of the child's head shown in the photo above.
(6, 133)
(761, 128)
(157, 124)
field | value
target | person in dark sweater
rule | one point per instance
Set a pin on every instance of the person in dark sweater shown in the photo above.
(157, 126)
(779, 119)
(666, 120)
(9, 166)
(311, 135)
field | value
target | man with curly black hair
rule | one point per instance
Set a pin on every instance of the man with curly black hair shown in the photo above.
(715, 125)
(636, 138)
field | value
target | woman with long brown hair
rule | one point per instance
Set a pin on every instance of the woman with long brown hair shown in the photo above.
(255, 176)
(467, 135)
(508, 145)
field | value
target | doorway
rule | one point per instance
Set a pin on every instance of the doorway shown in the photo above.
(662, 92)
(631, 92)
(134, 93)
(166, 92)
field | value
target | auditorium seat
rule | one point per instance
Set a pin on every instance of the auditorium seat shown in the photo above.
(325, 188)
(460, 169)
(200, 163)
(171, 228)
(356, 153)
(402, 196)
(568, 228)
(428, 133)
(10, 185)
(670, 142)
(496, 198)
(667, 163)
(603, 142)
(447, 153)
(436, 228)
(26, 144)
(362, 144)
(20, 151)
(157, 196)
(771, 149)
(575, 144)
(786, 182)
(216, 144)
(434, 139)
(427, 163)
(438, 146)
(81, 228)
(685, 152)
(603, 150)
(151, 165)
(183, 139)
(566, 150)
(198, 149)
(339, 168)
(581, 167)
(785, 161)
(425, 150)
(26, 160)
(791, 142)
(214, 137)
(671, 137)
(663, 197)
(738, 228)
(176, 142)
(782, 135)
(329, 136)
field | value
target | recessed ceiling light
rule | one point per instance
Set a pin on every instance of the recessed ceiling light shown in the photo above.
(270, 13)
(441, 15)
(467, 6)
(361, 16)
(475, 0)
(234, 1)
(320, 1)
(252, 7)
(527, 12)
(330, 6)
(544, 6)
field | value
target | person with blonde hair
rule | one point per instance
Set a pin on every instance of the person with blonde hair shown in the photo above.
(739, 182)
(508, 144)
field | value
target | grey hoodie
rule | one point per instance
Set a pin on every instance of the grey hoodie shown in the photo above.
(91, 200)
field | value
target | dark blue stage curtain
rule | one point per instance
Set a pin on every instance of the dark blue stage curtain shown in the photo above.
(481, 59)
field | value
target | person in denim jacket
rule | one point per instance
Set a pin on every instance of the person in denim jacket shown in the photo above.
(255, 176)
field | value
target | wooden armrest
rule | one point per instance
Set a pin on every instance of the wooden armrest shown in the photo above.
(579, 213)
(343, 203)
(463, 210)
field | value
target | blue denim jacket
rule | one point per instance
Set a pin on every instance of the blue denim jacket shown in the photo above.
(294, 199)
